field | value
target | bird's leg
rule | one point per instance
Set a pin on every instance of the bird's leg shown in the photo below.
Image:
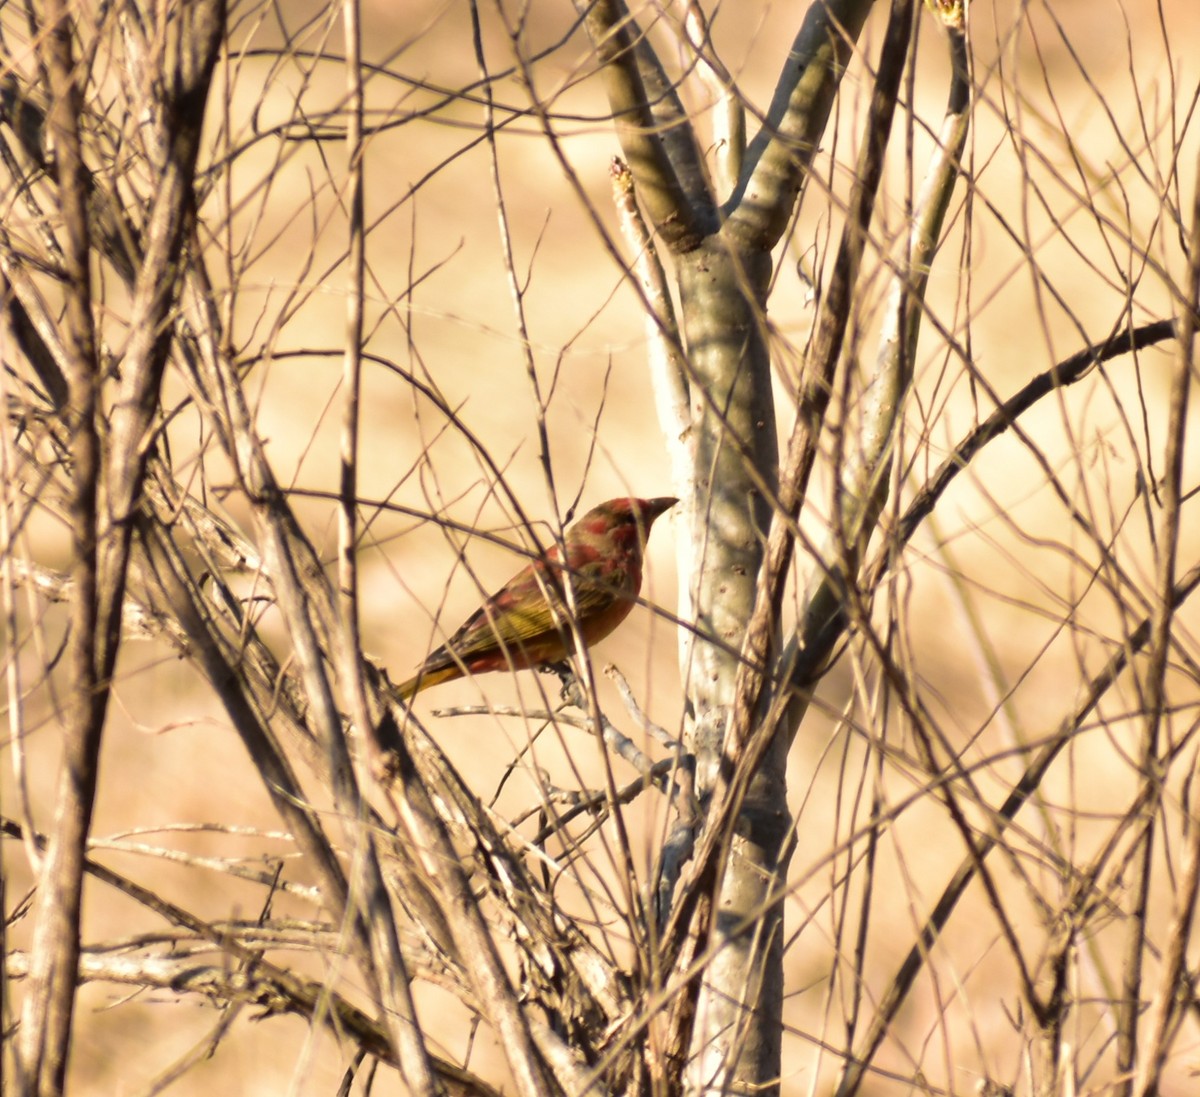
(571, 693)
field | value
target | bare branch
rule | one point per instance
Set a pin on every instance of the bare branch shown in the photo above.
(652, 125)
(779, 154)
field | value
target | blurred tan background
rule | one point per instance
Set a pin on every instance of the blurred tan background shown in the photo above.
(1088, 86)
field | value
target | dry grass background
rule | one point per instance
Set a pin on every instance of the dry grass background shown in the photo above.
(1079, 79)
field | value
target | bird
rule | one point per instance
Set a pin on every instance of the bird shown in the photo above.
(526, 623)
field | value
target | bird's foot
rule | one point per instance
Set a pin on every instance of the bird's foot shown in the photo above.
(571, 693)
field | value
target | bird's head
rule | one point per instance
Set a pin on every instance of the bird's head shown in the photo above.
(623, 525)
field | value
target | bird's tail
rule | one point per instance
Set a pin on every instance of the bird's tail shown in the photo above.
(424, 679)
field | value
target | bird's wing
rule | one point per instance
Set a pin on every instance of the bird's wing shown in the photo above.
(522, 612)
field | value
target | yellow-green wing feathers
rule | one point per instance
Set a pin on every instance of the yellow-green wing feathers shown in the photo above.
(513, 619)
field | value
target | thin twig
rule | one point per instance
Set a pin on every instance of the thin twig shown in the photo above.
(368, 892)
(1149, 765)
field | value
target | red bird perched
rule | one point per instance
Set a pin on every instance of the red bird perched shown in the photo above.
(526, 622)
